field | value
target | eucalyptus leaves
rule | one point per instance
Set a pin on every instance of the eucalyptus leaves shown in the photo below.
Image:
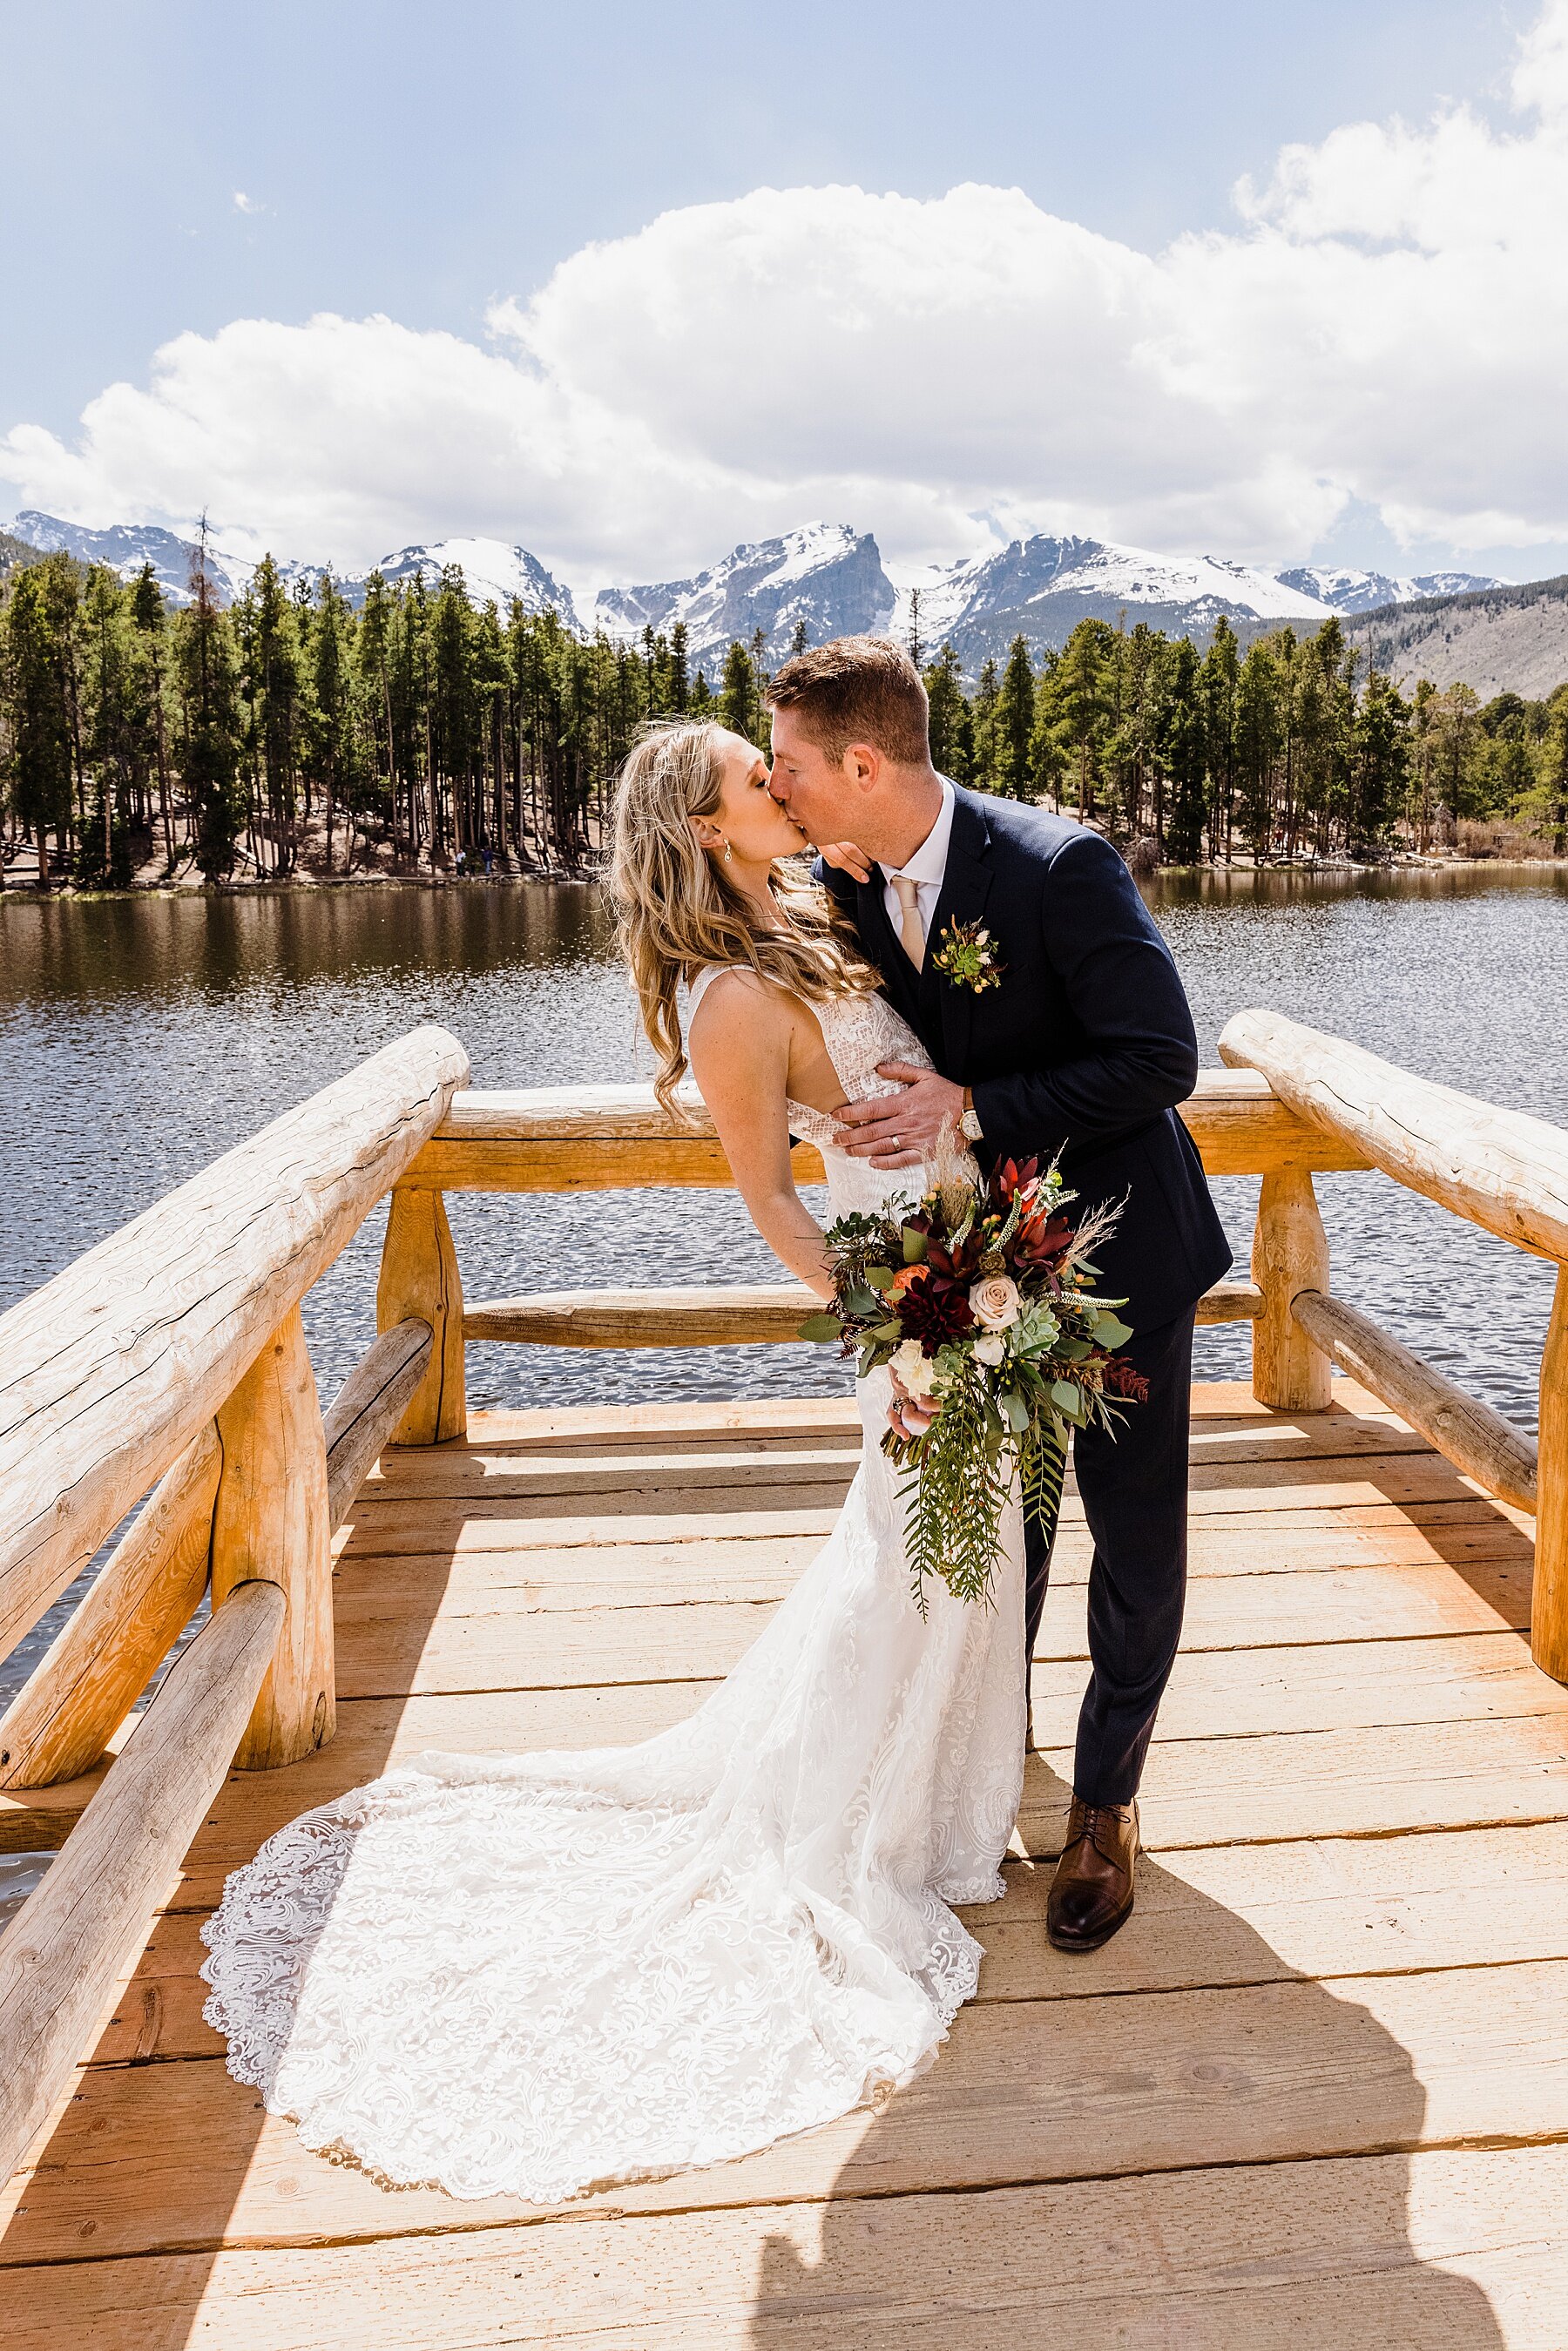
(979, 1299)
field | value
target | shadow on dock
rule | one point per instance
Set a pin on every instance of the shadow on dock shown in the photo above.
(1213, 2169)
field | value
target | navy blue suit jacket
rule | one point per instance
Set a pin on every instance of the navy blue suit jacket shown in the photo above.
(1082, 1050)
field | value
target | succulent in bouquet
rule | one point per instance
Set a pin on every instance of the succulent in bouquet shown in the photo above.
(979, 1297)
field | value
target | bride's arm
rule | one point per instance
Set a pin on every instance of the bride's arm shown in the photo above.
(739, 1050)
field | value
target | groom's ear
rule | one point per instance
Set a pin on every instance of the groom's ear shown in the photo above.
(861, 765)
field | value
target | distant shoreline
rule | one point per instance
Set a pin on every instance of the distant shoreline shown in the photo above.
(26, 889)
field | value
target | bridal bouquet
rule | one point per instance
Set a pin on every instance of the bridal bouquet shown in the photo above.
(978, 1298)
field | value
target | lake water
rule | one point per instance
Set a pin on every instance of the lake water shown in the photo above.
(139, 1037)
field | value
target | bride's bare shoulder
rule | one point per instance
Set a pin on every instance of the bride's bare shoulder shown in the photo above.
(737, 1000)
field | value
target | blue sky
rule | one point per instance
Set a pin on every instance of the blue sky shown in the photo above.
(428, 164)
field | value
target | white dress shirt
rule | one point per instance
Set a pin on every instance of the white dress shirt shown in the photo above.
(926, 869)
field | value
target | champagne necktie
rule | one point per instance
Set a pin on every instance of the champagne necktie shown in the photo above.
(911, 931)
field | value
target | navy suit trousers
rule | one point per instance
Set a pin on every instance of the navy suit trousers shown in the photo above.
(1134, 1488)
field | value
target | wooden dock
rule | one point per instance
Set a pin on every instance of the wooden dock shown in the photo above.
(1316, 2094)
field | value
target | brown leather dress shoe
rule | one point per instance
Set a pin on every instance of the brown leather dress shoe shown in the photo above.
(1092, 1893)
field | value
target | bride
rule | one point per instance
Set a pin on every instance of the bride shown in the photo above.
(535, 1974)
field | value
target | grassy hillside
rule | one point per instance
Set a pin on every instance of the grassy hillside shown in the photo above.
(1499, 639)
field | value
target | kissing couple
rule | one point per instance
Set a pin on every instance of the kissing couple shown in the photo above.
(535, 1974)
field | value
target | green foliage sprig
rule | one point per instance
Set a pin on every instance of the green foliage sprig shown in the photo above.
(980, 1301)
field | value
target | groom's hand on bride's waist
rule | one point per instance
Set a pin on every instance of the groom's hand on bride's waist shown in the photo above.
(900, 1130)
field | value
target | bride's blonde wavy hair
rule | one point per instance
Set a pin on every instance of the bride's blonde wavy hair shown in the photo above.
(676, 911)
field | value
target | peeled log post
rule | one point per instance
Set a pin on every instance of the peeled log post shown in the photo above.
(1469, 1434)
(108, 1371)
(1289, 1254)
(1499, 1168)
(1549, 1604)
(270, 1525)
(65, 1714)
(78, 1933)
(419, 1279)
(369, 1406)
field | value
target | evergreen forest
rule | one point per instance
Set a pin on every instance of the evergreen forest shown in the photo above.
(290, 732)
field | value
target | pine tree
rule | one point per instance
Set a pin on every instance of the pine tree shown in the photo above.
(739, 708)
(149, 622)
(1221, 668)
(951, 742)
(110, 703)
(329, 731)
(1183, 751)
(42, 618)
(1381, 742)
(1015, 726)
(211, 730)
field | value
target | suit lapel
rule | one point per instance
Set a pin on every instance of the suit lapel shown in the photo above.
(966, 887)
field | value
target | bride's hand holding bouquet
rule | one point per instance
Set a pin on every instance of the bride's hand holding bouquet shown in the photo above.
(977, 1299)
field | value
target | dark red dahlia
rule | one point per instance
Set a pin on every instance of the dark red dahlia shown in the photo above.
(934, 1311)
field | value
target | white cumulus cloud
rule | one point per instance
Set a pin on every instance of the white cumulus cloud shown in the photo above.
(1387, 322)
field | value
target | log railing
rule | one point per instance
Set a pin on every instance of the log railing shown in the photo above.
(1290, 1104)
(173, 1357)
(174, 1352)
(1500, 1169)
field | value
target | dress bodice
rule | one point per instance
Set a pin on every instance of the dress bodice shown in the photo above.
(858, 1032)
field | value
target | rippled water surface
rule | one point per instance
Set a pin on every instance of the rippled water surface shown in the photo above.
(139, 1038)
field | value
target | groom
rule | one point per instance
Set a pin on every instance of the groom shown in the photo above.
(1081, 1050)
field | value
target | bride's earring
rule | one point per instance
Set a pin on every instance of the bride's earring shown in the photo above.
(728, 854)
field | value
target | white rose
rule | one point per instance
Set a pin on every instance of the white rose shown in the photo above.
(994, 1302)
(991, 1349)
(915, 1367)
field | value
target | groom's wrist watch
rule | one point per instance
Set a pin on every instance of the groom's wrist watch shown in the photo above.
(969, 1124)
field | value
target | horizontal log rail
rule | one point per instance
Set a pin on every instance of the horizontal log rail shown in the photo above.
(108, 1371)
(368, 1407)
(62, 1718)
(718, 1317)
(608, 1138)
(1500, 1169)
(1482, 1444)
(81, 1928)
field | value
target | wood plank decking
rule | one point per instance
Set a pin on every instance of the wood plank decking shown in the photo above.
(1316, 2094)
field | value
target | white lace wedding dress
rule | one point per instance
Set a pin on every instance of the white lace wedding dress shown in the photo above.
(531, 1974)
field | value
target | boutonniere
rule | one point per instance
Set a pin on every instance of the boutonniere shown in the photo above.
(967, 957)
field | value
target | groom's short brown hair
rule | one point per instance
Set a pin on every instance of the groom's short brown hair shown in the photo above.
(857, 690)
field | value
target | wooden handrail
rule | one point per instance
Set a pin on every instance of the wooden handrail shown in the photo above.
(62, 1718)
(603, 1138)
(110, 1370)
(1478, 1441)
(1500, 1169)
(368, 1407)
(82, 1927)
(717, 1317)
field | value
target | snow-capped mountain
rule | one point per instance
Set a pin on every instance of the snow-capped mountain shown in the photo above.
(826, 577)
(1368, 592)
(1039, 588)
(829, 579)
(492, 571)
(490, 568)
(126, 547)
